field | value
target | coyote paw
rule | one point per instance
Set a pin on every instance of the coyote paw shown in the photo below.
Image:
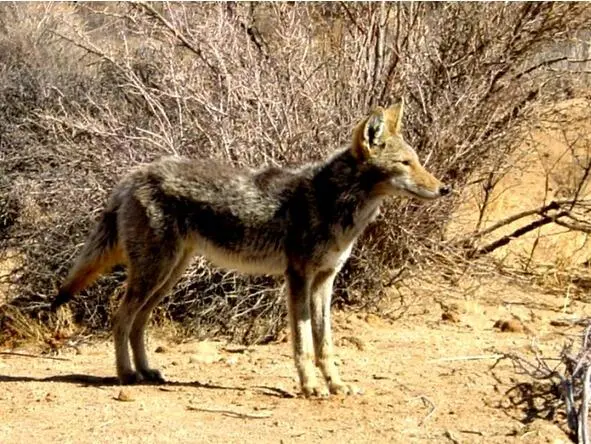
(339, 388)
(314, 391)
(152, 375)
(129, 378)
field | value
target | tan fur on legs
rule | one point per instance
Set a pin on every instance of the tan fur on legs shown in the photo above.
(298, 295)
(140, 287)
(146, 277)
(320, 300)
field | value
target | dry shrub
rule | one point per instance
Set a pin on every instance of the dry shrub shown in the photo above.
(88, 90)
(551, 163)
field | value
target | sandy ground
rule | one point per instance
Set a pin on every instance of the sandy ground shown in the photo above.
(426, 378)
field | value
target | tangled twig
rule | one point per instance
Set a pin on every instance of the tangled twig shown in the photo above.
(570, 379)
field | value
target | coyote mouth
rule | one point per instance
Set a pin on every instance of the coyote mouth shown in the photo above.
(404, 186)
(411, 193)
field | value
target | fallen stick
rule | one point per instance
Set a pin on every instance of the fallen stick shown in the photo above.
(28, 355)
(467, 358)
(261, 415)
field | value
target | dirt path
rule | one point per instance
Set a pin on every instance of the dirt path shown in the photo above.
(418, 385)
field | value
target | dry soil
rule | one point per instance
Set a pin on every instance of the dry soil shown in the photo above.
(428, 377)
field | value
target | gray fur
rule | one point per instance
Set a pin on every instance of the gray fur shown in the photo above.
(300, 223)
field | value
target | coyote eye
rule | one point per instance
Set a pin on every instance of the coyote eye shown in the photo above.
(405, 162)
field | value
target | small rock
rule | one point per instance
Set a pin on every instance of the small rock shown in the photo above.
(283, 336)
(357, 342)
(203, 359)
(160, 349)
(509, 325)
(124, 396)
(450, 316)
(232, 361)
(373, 319)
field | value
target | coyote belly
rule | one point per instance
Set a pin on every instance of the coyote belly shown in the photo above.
(300, 223)
(255, 263)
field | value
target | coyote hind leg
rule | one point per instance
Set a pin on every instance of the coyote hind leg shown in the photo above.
(138, 328)
(147, 274)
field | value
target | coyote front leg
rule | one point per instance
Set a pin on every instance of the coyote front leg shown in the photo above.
(298, 304)
(321, 295)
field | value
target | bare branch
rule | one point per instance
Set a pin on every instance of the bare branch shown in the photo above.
(186, 42)
(542, 211)
(517, 233)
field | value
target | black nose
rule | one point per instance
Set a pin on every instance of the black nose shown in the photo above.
(444, 190)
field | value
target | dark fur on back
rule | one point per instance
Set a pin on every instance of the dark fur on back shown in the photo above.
(290, 212)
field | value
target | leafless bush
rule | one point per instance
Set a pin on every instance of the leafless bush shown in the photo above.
(530, 210)
(565, 381)
(88, 90)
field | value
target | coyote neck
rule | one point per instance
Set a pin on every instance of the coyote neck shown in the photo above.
(345, 191)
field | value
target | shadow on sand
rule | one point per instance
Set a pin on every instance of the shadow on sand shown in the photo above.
(101, 381)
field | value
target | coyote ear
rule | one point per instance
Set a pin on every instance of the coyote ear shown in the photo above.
(369, 133)
(394, 117)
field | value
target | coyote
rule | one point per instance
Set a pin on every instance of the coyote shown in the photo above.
(300, 223)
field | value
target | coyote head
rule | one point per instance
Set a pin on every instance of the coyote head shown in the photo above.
(378, 145)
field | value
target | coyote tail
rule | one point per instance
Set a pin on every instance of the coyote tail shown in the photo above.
(101, 251)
